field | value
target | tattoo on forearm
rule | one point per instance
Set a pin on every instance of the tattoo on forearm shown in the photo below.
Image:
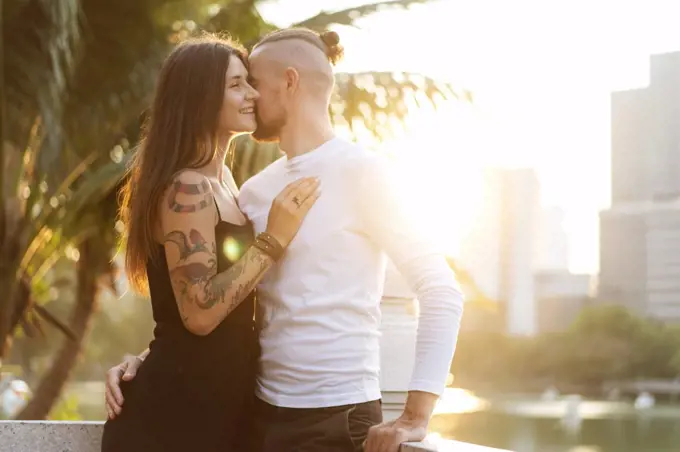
(199, 284)
(201, 192)
(253, 263)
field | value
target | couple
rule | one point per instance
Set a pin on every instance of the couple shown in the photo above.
(299, 369)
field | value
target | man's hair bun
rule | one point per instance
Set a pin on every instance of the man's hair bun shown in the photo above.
(330, 38)
(334, 50)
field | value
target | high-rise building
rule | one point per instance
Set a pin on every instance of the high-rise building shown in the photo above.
(560, 297)
(499, 250)
(551, 251)
(640, 233)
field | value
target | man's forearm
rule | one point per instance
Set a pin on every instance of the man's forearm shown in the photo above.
(419, 406)
(441, 308)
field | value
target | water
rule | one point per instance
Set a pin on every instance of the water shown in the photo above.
(534, 425)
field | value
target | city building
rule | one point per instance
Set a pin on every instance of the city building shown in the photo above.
(640, 233)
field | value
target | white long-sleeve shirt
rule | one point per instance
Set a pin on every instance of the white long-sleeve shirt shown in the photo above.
(319, 307)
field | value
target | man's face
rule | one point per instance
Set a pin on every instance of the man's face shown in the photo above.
(270, 109)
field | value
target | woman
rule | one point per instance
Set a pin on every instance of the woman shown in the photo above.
(192, 250)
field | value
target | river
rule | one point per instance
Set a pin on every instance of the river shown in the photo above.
(561, 424)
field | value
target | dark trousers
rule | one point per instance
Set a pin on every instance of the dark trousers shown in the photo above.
(333, 429)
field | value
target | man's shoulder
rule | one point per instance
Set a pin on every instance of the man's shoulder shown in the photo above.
(355, 157)
(364, 162)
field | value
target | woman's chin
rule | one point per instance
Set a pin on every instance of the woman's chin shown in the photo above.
(250, 126)
(246, 128)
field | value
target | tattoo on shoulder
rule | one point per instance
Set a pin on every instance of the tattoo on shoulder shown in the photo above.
(201, 192)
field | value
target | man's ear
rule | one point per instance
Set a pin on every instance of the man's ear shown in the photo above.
(292, 77)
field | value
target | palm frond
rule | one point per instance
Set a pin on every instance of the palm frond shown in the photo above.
(241, 20)
(123, 48)
(43, 35)
(34, 228)
(89, 210)
(348, 16)
(376, 100)
(70, 218)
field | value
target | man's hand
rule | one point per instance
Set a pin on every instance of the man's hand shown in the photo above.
(388, 436)
(410, 426)
(125, 371)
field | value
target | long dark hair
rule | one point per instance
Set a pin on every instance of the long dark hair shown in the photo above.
(180, 133)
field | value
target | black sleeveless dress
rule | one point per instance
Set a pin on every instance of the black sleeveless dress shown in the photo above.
(192, 393)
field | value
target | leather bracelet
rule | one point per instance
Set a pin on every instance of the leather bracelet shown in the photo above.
(266, 249)
(272, 242)
(274, 252)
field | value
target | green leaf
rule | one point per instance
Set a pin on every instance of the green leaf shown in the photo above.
(324, 20)
(37, 66)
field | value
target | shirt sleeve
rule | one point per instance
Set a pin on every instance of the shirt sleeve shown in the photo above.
(394, 226)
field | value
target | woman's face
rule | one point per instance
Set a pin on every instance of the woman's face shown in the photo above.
(238, 105)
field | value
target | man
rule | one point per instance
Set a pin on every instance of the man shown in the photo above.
(318, 387)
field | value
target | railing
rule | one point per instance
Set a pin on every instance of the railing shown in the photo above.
(661, 387)
(44, 436)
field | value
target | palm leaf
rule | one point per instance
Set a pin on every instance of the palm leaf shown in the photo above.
(43, 36)
(241, 20)
(348, 16)
(69, 219)
(36, 231)
(124, 43)
(374, 100)
(89, 210)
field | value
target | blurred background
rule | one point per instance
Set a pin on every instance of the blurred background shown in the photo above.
(542, 136)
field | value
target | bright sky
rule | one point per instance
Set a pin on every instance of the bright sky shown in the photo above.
(541, 71)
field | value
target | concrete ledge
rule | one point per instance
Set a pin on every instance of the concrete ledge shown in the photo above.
(39, 436)
(443, 446)
(44, 436)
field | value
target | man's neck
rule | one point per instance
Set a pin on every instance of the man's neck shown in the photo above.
(305, 134)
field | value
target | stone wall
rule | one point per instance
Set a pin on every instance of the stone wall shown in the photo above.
(39, 436)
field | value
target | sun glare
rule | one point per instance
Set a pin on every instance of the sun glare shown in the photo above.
(437, 160)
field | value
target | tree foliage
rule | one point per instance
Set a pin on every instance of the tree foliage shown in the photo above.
(605, 343)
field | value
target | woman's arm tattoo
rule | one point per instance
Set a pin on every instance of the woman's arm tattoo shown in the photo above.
(198, 282)
(201, 191)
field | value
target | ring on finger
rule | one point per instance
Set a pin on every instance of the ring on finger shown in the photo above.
(296, 201)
